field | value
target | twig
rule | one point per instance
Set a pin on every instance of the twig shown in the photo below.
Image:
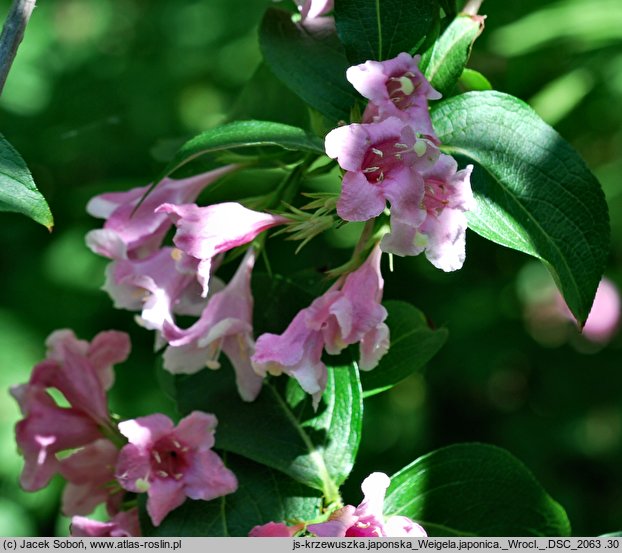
(12, 34)
(472, 7)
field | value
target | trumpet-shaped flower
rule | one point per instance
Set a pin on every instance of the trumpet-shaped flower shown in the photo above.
(123, 525)
(45, 430)
(311, 9)
(136, 231)
(225, 325)
(171, 463)
(395, 88)
(205, 232)
(342, 316)
(442, 231)
(383, 162)
(82, 372)
(89, 472)
(367, 520)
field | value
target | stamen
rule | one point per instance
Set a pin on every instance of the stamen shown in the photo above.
(162, 473)
(157, 457)
(377, 152)
(212, 364)
(401, 146)
(178, 476)
(176, 444)
(371, 169)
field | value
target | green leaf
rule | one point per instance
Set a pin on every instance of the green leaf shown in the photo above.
(445, 61)
(263, 495)
(381, 29)
(280, 429)
(18, 192)
(474, 80)
(533, 191)
(253, 138)
(310, 60)
(413, 344)
(474, 490)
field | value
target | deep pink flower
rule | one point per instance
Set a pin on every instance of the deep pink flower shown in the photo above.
(89, 473)
(123, 525)
(274, 530)
(395, 88)
(131, 232)
(342, 316)
(383, 162)
(225, 325)
(82, 371)
(441, 232)
(367, 520)
(45, 430)
(171, 463)
(205, 232)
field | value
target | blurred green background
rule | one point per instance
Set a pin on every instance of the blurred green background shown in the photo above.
(101, 91)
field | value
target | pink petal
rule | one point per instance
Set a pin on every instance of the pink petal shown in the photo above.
(207, 477)
(144, 431)
(197, 430)
(164, 495)
(359, 200)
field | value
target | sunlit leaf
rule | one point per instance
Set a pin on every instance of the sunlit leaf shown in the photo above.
(474, 490)
(18, 192)
(533, 191)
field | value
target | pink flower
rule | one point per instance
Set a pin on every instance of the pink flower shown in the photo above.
(205, 232)
(340, 317)
(441, 232)
(367, 520)
(310, 9)
(604, 318)
(82, 372)
(395, 88)
(274, 530)
(123, 525)
(45, 430)
(383, 162)
(131, 232)
(89, 473)
(225, 325)
(172, 463)
(153, 285)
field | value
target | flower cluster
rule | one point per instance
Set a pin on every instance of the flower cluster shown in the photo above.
(367, 520)
(168, 463)
(163, 282)
(393, 156)
(348, 313)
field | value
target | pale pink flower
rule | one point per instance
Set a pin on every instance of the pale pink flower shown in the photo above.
(205, 232)
(89, 473)
(344, 315)
(45, 430)
(274, 530)
(153, 285)
(383, 162)
(171, 463)
(225, 325)
(136, 232)
(395, 88)
(367, 520)
(441, 233)
(604, 318)
(311, 9)
(123, 525)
